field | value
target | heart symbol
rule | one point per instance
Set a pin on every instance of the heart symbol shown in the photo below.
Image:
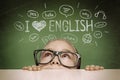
(39, 25)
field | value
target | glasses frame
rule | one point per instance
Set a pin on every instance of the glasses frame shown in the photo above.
(56, 53)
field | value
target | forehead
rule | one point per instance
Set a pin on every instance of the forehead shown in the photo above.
(59, 45)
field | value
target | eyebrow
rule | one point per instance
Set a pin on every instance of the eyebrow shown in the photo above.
(48, 48)
(67, 50)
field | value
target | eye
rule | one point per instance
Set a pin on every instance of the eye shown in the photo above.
(65, 55)
(46, 54)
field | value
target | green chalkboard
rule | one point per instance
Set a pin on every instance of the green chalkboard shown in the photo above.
(91, 25)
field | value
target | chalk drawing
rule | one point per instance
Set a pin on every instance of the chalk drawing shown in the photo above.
(106, 31)
(45, 5)
(45, 39)
(85, 14)
(66, 10)
(51, 37)
(27, 29)
(21, 40)
(96, 6)
(71, 37)
(96, 43)
(50, 14)
(97, 34)
(32, 14)
(101, 12)
(87, 38)
(78, 5)
(33, 37)
(19, 26)
(39, 25)
(20, 15)
(100, 24)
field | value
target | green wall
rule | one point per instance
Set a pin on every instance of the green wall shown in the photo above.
(91, 25)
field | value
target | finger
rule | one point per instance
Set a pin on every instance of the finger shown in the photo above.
(101, 67)
(97, 67)
(34, 68)
(39, 68)
(87, 67)
(29, 68)
(92, 69)
(25, 68)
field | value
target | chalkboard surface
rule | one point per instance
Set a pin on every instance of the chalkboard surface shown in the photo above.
(91, 25)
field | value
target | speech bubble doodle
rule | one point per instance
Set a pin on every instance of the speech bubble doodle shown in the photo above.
(66, 10)
(85, 14)
(33, 37)
(50, 14)
(19, 26)
(32, 14)
(71, 37)
(39, 25)
(45, 39)
(87, 38)
(51, 37)
(97, 34)
(101, 12)
(100, 24)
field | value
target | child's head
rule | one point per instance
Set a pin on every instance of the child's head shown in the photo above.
(60, 44)
(59, 53)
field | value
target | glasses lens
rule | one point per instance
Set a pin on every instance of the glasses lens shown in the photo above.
(68, 59)
(45, 56)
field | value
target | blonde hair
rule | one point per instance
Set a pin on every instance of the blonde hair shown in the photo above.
(61, 39)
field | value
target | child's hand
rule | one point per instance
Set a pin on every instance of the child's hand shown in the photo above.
(93, 67)
(32, 68)
(87, 68)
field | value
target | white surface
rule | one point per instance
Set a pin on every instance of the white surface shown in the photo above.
(17, 74)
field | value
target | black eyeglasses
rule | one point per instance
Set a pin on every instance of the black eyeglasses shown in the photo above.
(66, 58)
